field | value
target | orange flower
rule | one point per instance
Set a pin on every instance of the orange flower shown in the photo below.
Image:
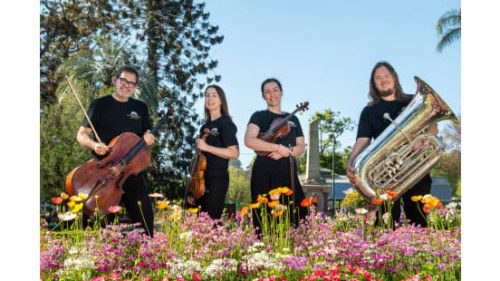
(57, 200)
(313, 200)
(64, 196)
(305, 203)
(254, 205)
(277, 213)
(286, 191)
(377, 201)
(427, 208)
(262, 199)
(244, 210)
(162, 205)
(273, 204)
(392, 194)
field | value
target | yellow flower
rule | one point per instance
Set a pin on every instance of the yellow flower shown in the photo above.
(416, 198)
(193, 210)
(162, 205)
(275, 191)
(426, 198)
(77, 207)
(434, 203)
(273, 204)
(71, 203)
(82, 195)
(75, 198)
(254, 205)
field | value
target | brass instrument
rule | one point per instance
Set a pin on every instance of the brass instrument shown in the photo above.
(390, 162)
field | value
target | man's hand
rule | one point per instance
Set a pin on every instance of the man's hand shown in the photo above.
(100, 149)
(351, 175)
(417, 145)
(201, 145)
(149, 138)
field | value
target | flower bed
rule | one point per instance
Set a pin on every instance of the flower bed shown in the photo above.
(191, 246)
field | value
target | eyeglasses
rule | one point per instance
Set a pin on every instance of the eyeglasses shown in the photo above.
(127, 83)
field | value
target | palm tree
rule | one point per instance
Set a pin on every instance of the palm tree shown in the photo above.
(448, 28)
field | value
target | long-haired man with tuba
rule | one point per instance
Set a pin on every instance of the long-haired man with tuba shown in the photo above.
(387, 98)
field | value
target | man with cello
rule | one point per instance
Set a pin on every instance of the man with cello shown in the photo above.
(111, 116)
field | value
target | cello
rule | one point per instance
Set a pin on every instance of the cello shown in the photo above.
(279, 128)
(102, 180)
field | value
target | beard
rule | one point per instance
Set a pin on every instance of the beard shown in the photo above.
(387, 93)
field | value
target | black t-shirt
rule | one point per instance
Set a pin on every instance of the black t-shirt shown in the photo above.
(372, 123)
(226, 136)
(264, 118)
(112, 118)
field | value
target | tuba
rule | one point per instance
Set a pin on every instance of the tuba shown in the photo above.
(390, 162)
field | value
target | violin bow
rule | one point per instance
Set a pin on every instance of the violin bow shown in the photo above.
(83, 109)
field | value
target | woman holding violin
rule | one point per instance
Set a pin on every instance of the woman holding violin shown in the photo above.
(220, 146)
(274, 170)
(111, 116)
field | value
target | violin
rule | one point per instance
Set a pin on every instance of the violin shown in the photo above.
(196, 186)
(279, 128)
(103, 179)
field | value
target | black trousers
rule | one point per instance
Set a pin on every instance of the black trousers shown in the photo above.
(411, 208)
(268, 174)
(136, 191)
(216, 186)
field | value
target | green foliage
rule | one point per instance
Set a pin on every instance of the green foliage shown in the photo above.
(239, 186)
(331, 126)
(449, 166)
(352, 201)
(59, 151)
(174, 38)
(449, 28)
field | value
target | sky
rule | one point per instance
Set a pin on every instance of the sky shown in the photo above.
(323, 52)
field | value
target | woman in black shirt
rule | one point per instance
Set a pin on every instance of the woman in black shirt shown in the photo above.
(273, 171)
(220, 146)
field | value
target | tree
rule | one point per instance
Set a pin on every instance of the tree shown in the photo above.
(67, 27)
(173, 38)
(449, 166)
(239, 186)
(331, 126)
(448, 28)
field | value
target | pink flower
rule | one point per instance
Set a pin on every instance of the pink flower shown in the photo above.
(114, 209)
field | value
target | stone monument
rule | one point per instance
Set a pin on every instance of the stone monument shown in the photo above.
(313, 184)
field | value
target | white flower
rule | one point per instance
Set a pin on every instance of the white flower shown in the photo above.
(219, 267)
(361, 211)
(187, 268)
(66, 216)
(348, 191)
(386, 217)
(156, 195)
(186, 236)
(78, 263)
(384, 196)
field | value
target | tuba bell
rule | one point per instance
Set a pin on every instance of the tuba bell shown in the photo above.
(390, 162)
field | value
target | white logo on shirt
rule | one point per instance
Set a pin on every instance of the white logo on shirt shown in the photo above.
(291, 124)
(214, 131)
(134, 115)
